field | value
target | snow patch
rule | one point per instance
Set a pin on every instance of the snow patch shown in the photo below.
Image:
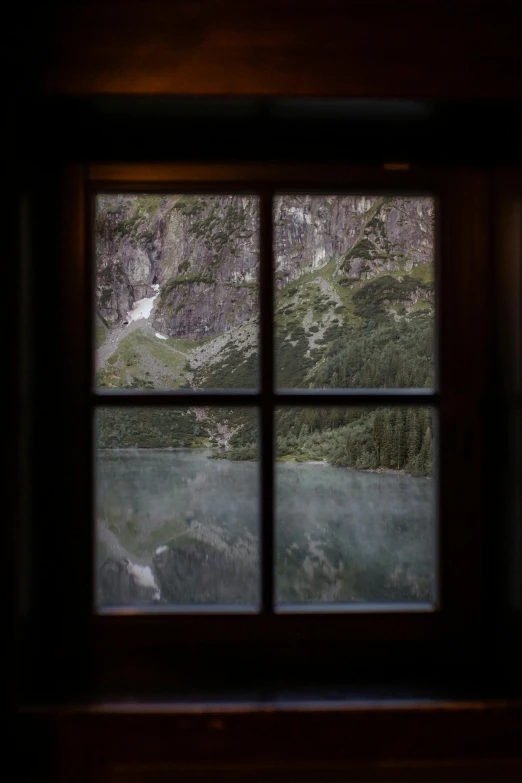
(155, 287)
(161, 549)
(143, 575)
(141, 309)
(160, 336)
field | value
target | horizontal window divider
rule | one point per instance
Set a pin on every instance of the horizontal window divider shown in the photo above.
(165, 399)
(325, 397)
(362, 607)
(314, 179)
(179, 609)
(310, 609)
(179, 187)
(280, 398)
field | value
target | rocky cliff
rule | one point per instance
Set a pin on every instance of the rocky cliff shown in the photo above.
(203, 252)
(366, 235)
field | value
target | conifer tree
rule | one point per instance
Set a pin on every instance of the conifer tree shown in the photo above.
(387, 449)
(303, 434)
(399, 445)
(414, 435)
(335, 418)
(378, 433)
(425, 456)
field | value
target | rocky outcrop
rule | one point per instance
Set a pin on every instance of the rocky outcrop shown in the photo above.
(122, 583)
(203, 251)
(198, 573)
(396, 235)
(194, 573)
(367, 235)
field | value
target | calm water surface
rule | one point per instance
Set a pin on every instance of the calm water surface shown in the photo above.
(187, 527)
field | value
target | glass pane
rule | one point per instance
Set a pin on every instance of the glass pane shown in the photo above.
(176, 291)
(355, 505)
(175, 524)
(355, 291)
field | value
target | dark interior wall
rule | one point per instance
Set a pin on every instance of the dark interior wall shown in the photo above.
(436, 49)
(238, 128)
(126, 79)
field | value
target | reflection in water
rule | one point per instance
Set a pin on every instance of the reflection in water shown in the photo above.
(341, 535)
(346, 535)
(194, 521)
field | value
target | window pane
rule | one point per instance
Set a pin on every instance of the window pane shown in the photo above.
(355, 505)
(176, 291)
(355, 291)
(175, 524)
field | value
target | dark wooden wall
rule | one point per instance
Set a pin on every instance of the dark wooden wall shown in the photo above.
(338, 48)
(452, 52)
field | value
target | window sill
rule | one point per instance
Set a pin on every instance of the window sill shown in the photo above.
(290, 736)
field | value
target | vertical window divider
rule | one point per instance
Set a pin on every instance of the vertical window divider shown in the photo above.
(266, 338)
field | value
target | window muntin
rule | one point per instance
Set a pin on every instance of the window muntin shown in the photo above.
(266, 401)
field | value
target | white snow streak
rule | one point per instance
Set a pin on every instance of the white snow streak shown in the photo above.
(160, 336)
(141, 309)
(143, 575)
(161, 549)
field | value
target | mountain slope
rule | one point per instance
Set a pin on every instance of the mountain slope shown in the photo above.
(354, 308)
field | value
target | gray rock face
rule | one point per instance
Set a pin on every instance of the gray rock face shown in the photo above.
(197, 573)
(119, 586)
(367, 235)
(203, 251)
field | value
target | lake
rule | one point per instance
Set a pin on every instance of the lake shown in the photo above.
(175, 527)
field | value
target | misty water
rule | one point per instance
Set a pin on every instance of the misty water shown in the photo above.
(186, 528)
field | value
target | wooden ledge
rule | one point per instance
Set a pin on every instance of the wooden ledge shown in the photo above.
(288, 739)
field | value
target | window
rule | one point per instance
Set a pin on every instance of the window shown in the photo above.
(123, 645)
(352, 517)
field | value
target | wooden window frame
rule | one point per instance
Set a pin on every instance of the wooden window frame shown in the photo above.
(136, 649)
